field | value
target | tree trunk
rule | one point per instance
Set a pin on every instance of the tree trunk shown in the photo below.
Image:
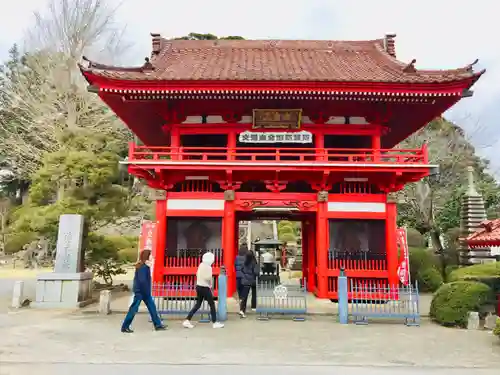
(438, 248)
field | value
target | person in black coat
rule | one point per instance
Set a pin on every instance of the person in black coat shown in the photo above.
(249, 272)
(142, 292)
(238, 265)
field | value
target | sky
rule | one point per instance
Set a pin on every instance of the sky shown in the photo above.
(439, 34)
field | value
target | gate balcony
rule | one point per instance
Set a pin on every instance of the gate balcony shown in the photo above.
(271, 157)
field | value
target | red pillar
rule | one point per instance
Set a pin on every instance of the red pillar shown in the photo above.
(391, 245)
(228, 244)
(376, 146)
(175, 143)
(319, 145)
(322, 249)
(231, 144)
(311, 248)
(161, 237)
(305, 252)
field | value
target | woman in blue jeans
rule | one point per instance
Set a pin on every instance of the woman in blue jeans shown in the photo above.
(142, 292)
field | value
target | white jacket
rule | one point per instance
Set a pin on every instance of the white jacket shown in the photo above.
(204, 273)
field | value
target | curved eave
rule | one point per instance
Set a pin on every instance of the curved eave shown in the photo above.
(479, 243)
(311, 87)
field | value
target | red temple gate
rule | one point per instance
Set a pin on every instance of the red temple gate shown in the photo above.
(234, 130)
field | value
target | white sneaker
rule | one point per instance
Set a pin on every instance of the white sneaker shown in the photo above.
(218, 325)
(187, 324)
(242, 314)
(254, 309)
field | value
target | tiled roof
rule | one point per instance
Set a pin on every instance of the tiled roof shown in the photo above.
(278, 60)
(488, 234)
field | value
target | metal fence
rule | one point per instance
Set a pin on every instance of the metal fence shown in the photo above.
(397, 302)
(281, 299)
(178, 299)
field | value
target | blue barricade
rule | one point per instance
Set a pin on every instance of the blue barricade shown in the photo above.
(281, 299)
(178, 299)
(364, 302)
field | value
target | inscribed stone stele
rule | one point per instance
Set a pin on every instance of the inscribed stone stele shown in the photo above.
(69, 244)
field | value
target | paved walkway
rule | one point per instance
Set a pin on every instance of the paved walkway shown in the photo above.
(159, 369)
(30, 337)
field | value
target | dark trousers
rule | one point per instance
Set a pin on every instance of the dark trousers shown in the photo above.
(245, 291)
(239, 287)
(134, 307)
(203, 293)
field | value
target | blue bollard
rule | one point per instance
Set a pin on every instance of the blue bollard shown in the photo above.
(222, 301)
(343, 298)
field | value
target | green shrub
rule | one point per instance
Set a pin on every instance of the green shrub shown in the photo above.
(287, 237)
(429, 279)
(449, 270)
(16, 241)
(102, 256)
(414, 238)
(475, 271)
(496, 331)
(128, 255)
(421, 259)
(423, 269)
(124, 242)
(452, 302)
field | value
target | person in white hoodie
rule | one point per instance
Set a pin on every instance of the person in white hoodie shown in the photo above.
(204, 291)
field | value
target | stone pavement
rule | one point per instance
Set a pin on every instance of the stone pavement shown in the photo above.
(44, 339)
(131, 369)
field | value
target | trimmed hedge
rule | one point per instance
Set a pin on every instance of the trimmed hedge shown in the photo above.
(496, 331)
(414, 238)
(453, 301)
(429, 279)
(424, 270)
(478, 270)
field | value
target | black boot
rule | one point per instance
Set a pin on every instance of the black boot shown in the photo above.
(127, 330)
(160, 328)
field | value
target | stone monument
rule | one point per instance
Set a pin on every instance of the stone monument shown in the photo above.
(68, 286)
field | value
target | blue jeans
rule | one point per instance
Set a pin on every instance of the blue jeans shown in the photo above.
(134, 307)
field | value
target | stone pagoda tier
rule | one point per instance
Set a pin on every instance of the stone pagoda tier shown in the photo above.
(473, 214)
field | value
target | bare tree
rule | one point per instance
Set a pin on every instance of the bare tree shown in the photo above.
(47, 96)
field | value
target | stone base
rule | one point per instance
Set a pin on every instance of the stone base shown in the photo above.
(63, 290)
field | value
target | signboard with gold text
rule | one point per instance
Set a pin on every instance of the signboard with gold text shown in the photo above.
(277, 119)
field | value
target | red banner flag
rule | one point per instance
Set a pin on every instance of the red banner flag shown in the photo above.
(404, 256)
(147, 238)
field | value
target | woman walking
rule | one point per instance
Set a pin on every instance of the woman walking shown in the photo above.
(250, 271)
(142, 292)
(238, 265)
(204, 291)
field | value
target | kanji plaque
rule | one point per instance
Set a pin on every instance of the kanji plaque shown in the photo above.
(276, 118)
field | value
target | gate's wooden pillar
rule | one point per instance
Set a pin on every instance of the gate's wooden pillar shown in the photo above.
(322, 244)
(229, 240)
(161, 237)
(391, 245)
(311, 261)
(305, 252)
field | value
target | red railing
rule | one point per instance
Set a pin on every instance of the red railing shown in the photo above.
(271, 154)
(190, 261)
(371, 261)
(360, 288)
